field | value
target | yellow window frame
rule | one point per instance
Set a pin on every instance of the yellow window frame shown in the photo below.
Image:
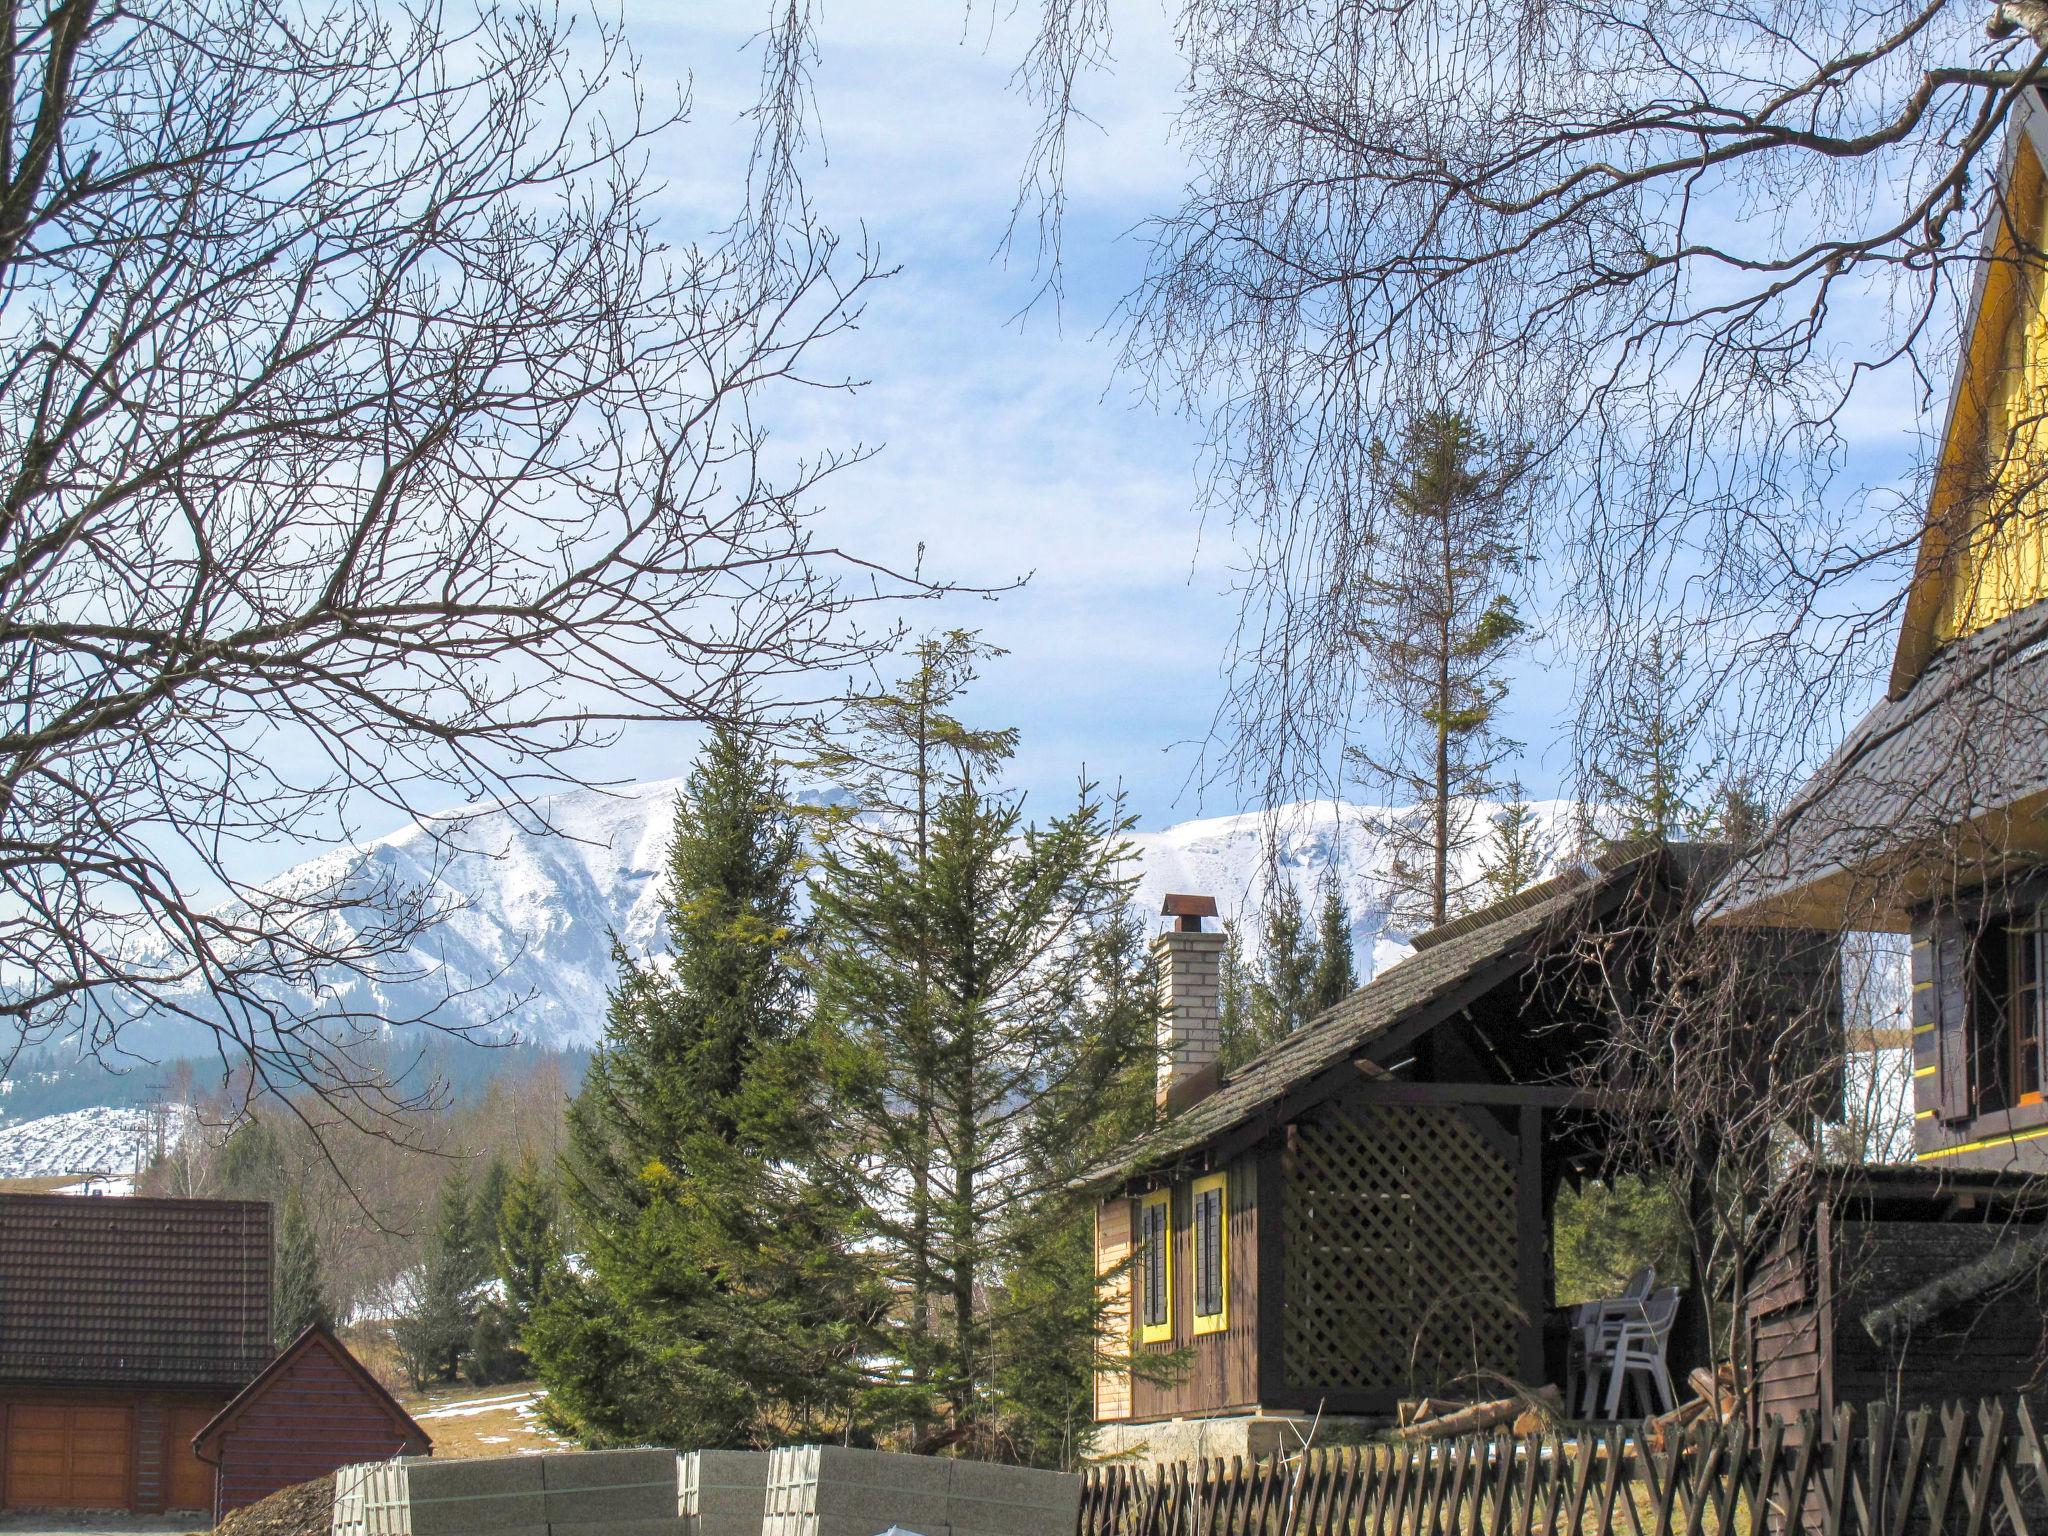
(1219, 1320)
(1160, 1332)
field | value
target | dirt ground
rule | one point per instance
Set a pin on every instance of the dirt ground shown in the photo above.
(469, 1422)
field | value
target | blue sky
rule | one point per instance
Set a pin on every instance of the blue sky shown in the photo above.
(1009, 443)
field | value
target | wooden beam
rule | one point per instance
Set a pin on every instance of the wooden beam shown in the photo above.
(1394, 1090)
(1531, 1242)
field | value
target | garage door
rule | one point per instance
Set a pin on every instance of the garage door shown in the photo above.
(188, 1481)
(67, 1458)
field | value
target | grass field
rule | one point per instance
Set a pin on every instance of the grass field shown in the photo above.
(484, 1421)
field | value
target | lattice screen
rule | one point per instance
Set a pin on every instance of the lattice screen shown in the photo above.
(1400, 1251)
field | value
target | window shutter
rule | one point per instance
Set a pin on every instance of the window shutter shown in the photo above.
(1952, 1017)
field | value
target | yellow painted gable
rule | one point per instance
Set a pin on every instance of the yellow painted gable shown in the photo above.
(1985, 550)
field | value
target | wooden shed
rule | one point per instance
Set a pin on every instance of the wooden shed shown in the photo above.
(1887, 1285)
(1363, 1213)
(312, 1410)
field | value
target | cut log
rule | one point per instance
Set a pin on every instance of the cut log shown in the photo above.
(1414, 1410)
(1891, 1322)
(1478, 1416)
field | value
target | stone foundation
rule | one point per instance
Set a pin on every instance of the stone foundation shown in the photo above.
(1252, 1436)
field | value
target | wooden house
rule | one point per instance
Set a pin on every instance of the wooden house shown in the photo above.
(1931, 819)
(125, 1325)
(1362, 1213)
(1854, 1298)
(311, 1411)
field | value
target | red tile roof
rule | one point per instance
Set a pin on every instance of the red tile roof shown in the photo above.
(172, 1293)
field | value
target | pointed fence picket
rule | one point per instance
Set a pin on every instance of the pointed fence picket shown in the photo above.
(1952, 1471)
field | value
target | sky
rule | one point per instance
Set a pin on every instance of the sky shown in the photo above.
(1010, 445)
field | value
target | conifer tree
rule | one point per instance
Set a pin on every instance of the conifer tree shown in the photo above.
(1435, 623)
(1283, 995)
(1643, 780)
(723, 1304)
(300, 1290)
(949, 967)
(1336, 976)
(1236, 1008)
(895, 753)
(1052, 1326)
(1517, 850)
(433, 1332)
(528, 1250)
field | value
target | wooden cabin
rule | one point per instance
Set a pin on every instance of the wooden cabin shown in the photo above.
(1362, 1213)
(1932, 817)
(1873, 1287)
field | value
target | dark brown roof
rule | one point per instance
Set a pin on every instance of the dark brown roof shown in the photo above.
(1425, 988)
(129, 1291)
(315, 1336)
(1940, 784)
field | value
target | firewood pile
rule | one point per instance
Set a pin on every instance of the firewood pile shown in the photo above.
(1713, 1400)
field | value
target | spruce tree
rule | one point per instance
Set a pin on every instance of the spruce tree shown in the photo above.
(434, 1331)
(1645, 778)
(1436, 624)
(1283, 985)
(948, 968)
(300, 1290)
(1236, 1008)
(1517, 850)
(724, 1303)
(1336, 976)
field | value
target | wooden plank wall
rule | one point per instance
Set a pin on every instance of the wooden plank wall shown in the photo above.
(1113, 1276)
(1223, 1368)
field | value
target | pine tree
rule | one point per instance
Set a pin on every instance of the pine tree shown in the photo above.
(1644, 780)
(1517, 850)
(1436, 625)
(494, 1354)
(1283, 982)
(300, 1291)
(724, 1302)
(1336, 978)
(950, 975)
(528, 1250)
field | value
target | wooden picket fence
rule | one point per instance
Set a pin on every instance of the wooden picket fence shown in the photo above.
(1954, 1471)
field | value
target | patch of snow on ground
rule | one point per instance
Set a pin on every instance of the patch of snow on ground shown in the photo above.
(103, 1140)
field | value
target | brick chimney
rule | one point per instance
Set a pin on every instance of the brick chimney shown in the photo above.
(1190, 1001)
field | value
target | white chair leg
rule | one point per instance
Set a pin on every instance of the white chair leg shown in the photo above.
(1662, 1376)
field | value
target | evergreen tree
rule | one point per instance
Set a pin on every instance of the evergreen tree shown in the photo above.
(1336, 978)
(949, 968)
(528, 1250)
(724, 1302)
(1051, 1325)
(1236, 1008)
(1283, 996)
(1436, 626)
(1517, 850)
(494, 1353)
(1643, 780)
(300, 1290)
(434, 1330)
(895, 753)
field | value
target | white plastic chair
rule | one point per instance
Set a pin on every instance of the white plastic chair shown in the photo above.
(1640, 1346)
(1595, 1324)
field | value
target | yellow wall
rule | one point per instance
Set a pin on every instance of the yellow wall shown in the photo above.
(1992, 489)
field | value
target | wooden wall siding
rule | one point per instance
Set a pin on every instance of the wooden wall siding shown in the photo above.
(1949, 1129)
(152, 1467)
(312, 1418)
(1782, 1333)
(1223, 1368)
(1113, 1273)
(1401, 1261)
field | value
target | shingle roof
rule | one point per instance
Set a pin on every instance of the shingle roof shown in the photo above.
(1966, 744)
(133, 1291)
(1410, 991)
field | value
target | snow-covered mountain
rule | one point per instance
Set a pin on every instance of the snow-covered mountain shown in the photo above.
(525, 947)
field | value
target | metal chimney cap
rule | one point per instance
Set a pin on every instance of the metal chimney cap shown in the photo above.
(1177, 905)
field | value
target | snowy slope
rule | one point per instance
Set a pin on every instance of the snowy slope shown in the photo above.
(525, 948)
(103, 1140)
